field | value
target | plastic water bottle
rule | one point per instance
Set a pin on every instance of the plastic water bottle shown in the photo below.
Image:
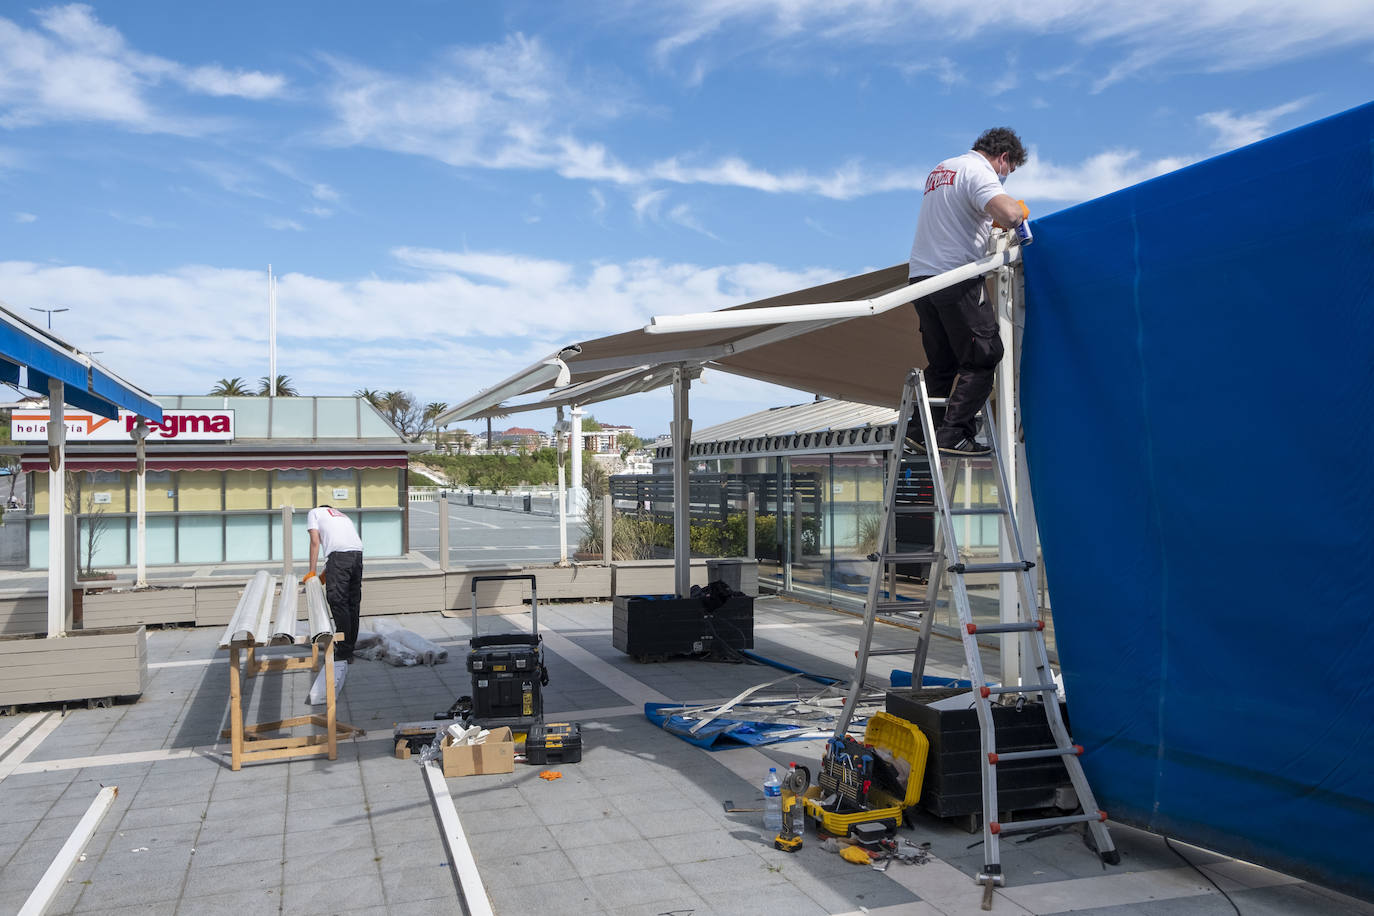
(772, 802)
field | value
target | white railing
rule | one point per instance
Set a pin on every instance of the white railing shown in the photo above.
(536, 501)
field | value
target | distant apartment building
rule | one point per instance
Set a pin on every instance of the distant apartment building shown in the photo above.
(517, 436)
(605, 440)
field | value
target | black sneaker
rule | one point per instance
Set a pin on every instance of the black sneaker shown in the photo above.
(913, 446)
(966, 448)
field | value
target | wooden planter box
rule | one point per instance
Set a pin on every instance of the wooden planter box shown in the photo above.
(84, 665)
(130, 607)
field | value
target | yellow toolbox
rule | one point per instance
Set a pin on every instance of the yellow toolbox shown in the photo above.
(906, 743)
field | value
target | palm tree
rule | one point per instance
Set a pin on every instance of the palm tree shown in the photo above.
(284, 387)
(432, 410)
(371, 395)
(234, 387)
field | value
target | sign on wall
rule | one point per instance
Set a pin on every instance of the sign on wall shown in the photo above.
(178, 425)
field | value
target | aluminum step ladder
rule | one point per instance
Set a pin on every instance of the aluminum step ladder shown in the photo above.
(944, 560)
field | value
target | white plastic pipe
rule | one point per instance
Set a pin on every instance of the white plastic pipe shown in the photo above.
(55, 878)
(829, 311)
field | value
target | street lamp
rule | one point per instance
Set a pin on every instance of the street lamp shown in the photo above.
(49, 311)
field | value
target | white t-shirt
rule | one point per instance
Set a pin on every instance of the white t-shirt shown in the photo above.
(953, 227)
(336, 531)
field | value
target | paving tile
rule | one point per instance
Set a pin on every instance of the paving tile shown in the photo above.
(235, 903)
(736, 871)
(614, 857)
(237, 851)
(673, 823)
(130, 878)
(753, 900)
(698, 847)
(204, 880)
(557, 898)
(404, 886)
(334, 895)
(352, 837)
(639, 886)
(549, 865)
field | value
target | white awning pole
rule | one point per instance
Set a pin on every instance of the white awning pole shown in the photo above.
(829, 311)
(682, 486)
(575, 451)
(140, 434)
(57, 510)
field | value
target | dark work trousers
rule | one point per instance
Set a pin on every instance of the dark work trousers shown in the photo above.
(963, 347)
(343, 587)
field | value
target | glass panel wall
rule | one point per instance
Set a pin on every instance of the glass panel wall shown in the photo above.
(207, 517)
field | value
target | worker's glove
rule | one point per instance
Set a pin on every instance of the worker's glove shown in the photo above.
(1025, 215)
(308, 577)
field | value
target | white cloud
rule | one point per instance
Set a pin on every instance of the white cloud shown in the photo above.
(436, 331)
(1099, 174)
(1197, 35)
(215, 80)
(74, 68)
(25, 218)
(511, 106)
(1235, 130)
(283, 225)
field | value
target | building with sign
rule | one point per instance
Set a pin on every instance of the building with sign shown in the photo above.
(218, 472)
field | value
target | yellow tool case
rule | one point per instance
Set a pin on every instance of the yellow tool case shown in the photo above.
(907, 744)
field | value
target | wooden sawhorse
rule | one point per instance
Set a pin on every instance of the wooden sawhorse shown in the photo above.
(250, 743)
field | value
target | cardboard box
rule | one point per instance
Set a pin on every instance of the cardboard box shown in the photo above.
(494, 755)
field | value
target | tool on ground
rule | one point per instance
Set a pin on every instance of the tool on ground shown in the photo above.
(944, 560)
(730, 808)
(794, 786)
(553, 742)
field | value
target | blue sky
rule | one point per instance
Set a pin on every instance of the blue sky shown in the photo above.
(449, 191)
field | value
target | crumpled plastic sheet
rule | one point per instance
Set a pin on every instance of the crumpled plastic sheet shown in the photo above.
(392, 643)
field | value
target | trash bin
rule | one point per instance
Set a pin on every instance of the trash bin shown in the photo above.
(727, 570)
(469, 498)
(529, 502)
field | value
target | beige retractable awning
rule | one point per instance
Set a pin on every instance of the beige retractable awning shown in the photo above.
(856, 359)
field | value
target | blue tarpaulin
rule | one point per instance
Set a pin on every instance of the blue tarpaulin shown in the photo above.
(1197, 392)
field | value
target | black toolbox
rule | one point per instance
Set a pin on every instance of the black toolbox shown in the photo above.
(660, 626)
(553, 742)
(508, 671)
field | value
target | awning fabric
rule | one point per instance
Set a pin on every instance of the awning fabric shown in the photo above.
(266, 462)
(1197, 379)
(861, 359)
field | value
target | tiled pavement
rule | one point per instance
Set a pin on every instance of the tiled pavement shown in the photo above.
(636, 828)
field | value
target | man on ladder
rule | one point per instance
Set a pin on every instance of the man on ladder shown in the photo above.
(963, 201)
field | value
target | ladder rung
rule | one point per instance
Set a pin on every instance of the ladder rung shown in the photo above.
(994, 510)
(915, 510)
(1043, 822)
(873, 652)
(1024, 688)
(964, 569)
(1074, 751)
(987, 628)
(915, 605)
(909, 556)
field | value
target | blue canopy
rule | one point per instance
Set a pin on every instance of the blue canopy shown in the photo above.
(87, 384)
(1197, 383)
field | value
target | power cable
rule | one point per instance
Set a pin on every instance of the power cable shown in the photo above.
(1194, 867)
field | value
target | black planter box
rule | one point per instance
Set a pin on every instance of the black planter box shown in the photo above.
(954, 778)
(651, 627)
